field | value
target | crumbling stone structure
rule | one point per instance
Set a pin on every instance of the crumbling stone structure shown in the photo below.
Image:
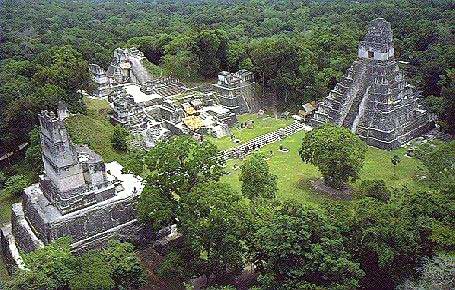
(165, 107)
(77, 196)
(102, 82)
(237, 91)
(154, 109)
(127, 67)
(373, 99)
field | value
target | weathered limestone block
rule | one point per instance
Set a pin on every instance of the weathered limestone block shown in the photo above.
(98, 206)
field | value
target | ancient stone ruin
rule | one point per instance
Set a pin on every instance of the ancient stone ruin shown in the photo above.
(237, 91)
(373, 99)
(102, 82)
(157, 110)
(77, 196)
(154, 109)
(127, 66)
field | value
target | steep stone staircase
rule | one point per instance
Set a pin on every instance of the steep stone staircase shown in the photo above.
(260, 141)
(356, 92)
(139, 71)
(360, 92)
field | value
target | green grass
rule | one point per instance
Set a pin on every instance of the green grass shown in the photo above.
(95, 130)
(5, 217)
(5, 207)
(262, 125)
(294, 175)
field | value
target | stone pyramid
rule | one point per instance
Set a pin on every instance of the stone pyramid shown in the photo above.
(78, 196)
(373, 99)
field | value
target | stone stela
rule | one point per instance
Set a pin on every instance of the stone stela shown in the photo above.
(373, 99)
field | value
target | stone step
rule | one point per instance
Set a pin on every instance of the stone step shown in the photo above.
(10, 252)
(21, 228)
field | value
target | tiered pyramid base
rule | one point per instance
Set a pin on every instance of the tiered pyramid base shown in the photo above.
(36, 222)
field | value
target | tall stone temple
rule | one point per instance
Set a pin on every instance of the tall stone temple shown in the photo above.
(77, 196)
(373, 99)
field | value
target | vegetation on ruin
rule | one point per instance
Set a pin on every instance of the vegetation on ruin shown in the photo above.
(395, 229)
(55, 267)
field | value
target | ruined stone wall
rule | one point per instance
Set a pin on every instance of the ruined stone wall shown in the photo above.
(94, 221)
(65, 179)
(28, 241)
(86, 223)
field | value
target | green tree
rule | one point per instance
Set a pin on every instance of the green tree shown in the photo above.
(336, 151)
(180, 60)
(156, 208)
(384, 239)
(65, 68)
(135, 161)
(94, 272)
(30, 280)
(438, 160)
(15, 185)
(50, 267)
(33, 153)
(55, 267)
(119, 139)
(214, 220)
(151, 46)
(127, 272)
(276, 65)
(211, 49)
(257, 181)
(376, 189)
(434, 216)
(301, 249)
(177, 165)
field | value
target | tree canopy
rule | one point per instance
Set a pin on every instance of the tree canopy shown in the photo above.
(257, 181)
(297, 50)
(302, 249)
(337, 152)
